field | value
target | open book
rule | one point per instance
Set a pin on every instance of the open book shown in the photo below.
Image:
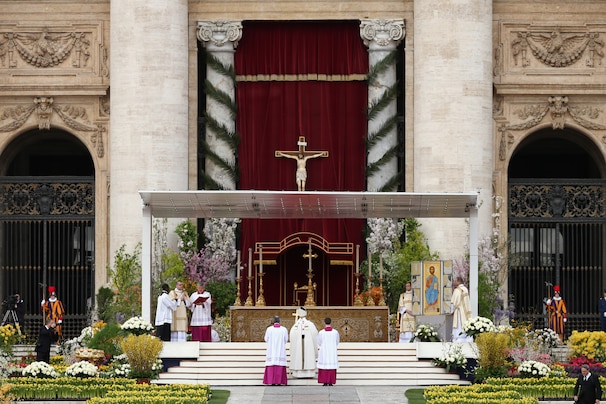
(200, 299)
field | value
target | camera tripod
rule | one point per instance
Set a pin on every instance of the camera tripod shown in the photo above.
(11, 317)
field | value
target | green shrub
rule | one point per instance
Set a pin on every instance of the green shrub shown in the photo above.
(126, 281)
(108, 339)
(105, 299)
(224, 295)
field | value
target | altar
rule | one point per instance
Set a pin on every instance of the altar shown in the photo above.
(354, 323)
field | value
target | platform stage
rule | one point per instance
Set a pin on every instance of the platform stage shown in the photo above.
(355, 324)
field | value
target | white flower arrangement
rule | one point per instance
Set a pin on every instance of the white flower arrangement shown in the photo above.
(533, 369)
(68, 349)
(122, 370)
(40, 369)
(545, 337)
(426, 333)
(137, 325)
(504, 328)
(119, 367)
(5, 368)
(82, 369)
(478, 325)
(158, 366)
(452, 358)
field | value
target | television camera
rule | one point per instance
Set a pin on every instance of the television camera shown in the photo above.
(10, 316)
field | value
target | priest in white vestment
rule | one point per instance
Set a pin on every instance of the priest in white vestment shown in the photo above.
(276, 337)
(303, 346)
(407, 320)
(328, 361)
(201, 317)
(180, 324)
(461, 310)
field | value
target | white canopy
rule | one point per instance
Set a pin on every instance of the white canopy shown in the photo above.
(297, 205)
(252, 204)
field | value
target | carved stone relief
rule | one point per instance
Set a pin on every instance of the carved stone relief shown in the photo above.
(45, 49)
(556, 48)
(73, 116)
(558, 110)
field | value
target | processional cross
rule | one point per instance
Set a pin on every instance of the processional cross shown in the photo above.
(301, 156)
(309, 301)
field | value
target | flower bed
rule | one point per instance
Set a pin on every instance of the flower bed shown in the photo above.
(124, 391)
(503, 390)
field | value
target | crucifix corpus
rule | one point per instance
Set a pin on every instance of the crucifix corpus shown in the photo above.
(301, 156)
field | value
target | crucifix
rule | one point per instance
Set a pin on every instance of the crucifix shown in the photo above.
(309, 301)
(301, 156)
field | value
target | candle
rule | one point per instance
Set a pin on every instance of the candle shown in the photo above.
(261, 259)
(358, 258)
(369, 264)
(238, 265)
(249, 262)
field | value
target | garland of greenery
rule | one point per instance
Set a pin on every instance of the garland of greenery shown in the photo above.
(374, 109)
(231, 138)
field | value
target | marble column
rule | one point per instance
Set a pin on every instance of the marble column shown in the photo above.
(149, 109)
(453, 140)
(220, 38)
(382, 37)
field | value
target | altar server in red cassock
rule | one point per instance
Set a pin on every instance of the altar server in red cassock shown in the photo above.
(276, 337)
(328, 361)
(201, 317)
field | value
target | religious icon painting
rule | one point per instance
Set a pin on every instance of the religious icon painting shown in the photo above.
(432, 285)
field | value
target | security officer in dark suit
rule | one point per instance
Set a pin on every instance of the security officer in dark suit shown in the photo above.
(587, 390)
(46, 338)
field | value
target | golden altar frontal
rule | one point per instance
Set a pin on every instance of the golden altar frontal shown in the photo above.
(354, 323)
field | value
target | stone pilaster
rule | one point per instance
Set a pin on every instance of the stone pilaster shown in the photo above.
(220, 38)
(382, 37)
(149, 108)
(453, 127)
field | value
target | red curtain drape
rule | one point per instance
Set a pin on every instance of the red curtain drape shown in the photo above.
(273, 114)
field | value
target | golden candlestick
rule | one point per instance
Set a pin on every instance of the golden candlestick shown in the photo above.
(261, 299)
(357, 298)
(238, 302)
(370, 301)
(382, 295)
(249, 300)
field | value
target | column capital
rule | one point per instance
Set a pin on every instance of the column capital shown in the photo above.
(382, 33)
(218, 33)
